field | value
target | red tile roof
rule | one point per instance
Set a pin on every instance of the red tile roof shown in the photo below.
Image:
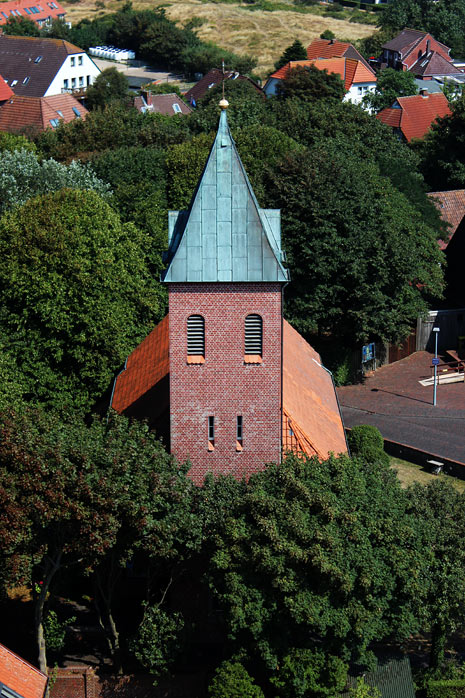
(30, 9)
(5, 90)
(163, 104)
(20, 112)
(210, 80)
(349, 70)
(312, 420)
(418, 113)
(20, 676)
(330, 48)
(451, 206)
(145, 367)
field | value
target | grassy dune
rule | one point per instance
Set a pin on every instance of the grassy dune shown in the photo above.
(264, 35)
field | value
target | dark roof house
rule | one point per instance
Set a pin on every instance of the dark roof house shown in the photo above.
(419, 53)
(19, 114)
(412, 117)
(37, 67)
(211, 79)
(18, 678)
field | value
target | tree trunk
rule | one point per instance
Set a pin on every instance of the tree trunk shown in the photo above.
(109, 628)
(438, 645)
(52, 567)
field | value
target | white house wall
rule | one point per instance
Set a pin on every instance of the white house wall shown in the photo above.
(358, 91)
(78, 73)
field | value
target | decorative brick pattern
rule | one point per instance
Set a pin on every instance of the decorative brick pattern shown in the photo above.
(224, 386)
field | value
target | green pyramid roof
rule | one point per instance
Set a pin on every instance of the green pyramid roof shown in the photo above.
(225, 235)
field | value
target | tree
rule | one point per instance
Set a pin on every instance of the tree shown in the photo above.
(75, 491)
(109, 86)
(20, 26)
(310, 549)
(13, 141)
(23, 176)
(309, 84)
(361, 259)
(294, 52)
(83, 295)
(390, 85)
(231, 680)
(310, 672)
(440, 517)
(247, 107)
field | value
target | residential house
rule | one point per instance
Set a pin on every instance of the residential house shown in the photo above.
(420, 54)
(223, 378)
(18, 678)
(412, 117)
(31, 114)
(332, 48)
(5, 91)
(451, 206)
(210, 80)
(357, 77)
(37, 67)
(169, 104)
(42, 14)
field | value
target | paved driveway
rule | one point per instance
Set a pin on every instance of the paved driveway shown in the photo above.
(393, 400)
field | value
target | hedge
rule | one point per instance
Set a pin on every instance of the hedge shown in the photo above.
(452, 688)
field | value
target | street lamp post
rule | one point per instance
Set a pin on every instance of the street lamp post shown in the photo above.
(435, 362)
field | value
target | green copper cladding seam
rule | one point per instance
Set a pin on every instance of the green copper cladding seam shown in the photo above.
(225, 235)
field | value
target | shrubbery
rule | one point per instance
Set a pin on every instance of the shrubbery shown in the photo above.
(231, 680)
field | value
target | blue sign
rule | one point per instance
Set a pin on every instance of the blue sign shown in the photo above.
(368, 352)
(435, 362)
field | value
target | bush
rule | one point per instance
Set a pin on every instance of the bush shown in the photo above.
(328, 34)
(231, 680)
(454, 688)
(306, 672)
(366, 442)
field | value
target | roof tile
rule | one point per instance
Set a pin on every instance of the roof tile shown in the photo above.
(451, 206)
(20, 676)
(418, 113)
(20, 112)
(48, 9)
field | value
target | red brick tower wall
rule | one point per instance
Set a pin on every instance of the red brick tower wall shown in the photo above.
(224, 386)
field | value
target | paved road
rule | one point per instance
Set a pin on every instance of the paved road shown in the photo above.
(393, 400)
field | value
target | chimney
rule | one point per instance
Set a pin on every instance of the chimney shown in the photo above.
(424, 93)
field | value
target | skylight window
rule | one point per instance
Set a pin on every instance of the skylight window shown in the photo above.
(38, 59)
(60, 113)
(176, 108)
(5, 15)
(54, 122)
(14, 83)
(27, 10)
(77, 112)
(26, 80)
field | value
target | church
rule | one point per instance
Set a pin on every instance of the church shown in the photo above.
(225, 381)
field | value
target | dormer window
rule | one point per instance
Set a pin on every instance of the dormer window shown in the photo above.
(195, 339)
(253, 339)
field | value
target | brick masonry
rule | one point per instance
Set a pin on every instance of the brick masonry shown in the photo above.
(224, 386)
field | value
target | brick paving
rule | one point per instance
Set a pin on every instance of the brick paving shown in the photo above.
(393, 400)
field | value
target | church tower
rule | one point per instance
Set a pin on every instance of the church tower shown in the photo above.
(225, 278)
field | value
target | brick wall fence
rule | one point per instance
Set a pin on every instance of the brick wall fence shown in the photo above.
(83, 682)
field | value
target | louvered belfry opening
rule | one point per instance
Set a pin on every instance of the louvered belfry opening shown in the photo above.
(253, 334)
(196, 335)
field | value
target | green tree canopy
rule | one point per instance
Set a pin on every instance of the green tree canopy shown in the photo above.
(294, 52)
(83, 295)
(314, 549)
(309, 84)
(20, 26)
(390, 85)
(361, 258)
(109, 86)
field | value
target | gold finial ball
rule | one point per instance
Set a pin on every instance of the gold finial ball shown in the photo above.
(224, 104)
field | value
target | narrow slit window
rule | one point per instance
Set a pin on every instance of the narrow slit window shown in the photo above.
(196, 339)
(211, 433)
(253, 338)
(239, 433)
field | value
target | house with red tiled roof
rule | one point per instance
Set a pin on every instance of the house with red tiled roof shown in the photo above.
(18, 678)
(419, 53)
(21, 114)
(357, 77)
(169, 104)
(42, 13)
(39, 67)
(332, 48)
(451, 206)
(224, 379)
(412, 117)
(210, 80)
(5, 91)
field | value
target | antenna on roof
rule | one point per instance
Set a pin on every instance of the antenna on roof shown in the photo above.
(222, 67)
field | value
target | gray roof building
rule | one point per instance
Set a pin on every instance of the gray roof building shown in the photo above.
(225, 235)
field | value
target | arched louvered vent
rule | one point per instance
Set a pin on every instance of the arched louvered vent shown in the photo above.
(196, 335)
(253, 334)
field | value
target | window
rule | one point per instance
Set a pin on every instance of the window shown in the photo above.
(211, 433)
(253, 339)
(176, 108)
(79, 60)
(6, 692)
(60, 113)
(13, 83)
(73, 82)
(38, 59)
(65, 84)
(27, 10)
(239, 433)
(77, 112)
(88, 80)
(81, 81)
(195, 339)
(73, 61)
(5, 15)
(26, 80)
(54, 122)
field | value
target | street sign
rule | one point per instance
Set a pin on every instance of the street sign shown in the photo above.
(435, 362)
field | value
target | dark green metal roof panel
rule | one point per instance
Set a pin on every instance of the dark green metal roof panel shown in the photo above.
(225, 235)
(393, 680)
